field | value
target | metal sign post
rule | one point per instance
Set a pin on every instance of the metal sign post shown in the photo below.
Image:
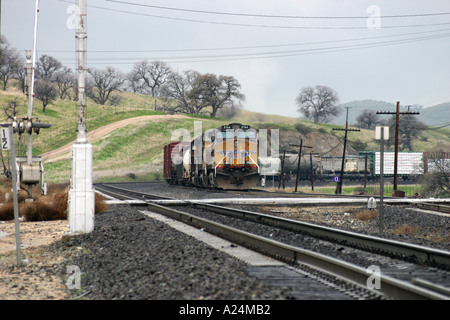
(381, 133)
(8, 144)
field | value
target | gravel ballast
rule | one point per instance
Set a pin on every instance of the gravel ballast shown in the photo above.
(131, 256)
(402, 223)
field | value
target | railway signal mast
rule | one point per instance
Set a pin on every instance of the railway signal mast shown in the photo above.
(31, 169)
(81, 194)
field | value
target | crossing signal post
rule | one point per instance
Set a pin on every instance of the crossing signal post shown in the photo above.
(7, 142)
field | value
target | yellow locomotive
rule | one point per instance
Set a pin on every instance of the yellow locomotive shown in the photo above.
(225, 157)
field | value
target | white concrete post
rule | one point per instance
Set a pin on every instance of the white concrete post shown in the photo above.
(81, 194)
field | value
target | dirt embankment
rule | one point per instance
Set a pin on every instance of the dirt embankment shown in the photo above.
(64, 152)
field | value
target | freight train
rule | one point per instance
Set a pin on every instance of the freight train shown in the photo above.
(365, 165)
(225, 158)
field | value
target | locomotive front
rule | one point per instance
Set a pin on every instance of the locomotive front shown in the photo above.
(234, 149)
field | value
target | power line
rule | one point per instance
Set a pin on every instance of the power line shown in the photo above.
(253, 47)
(265, 55)
(259, 25)
(274, 16)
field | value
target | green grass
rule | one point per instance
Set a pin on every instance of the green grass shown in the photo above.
(410, 190)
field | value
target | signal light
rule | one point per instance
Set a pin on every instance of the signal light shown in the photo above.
(21, 127)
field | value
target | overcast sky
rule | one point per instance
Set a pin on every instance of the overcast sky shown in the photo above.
(381, 50)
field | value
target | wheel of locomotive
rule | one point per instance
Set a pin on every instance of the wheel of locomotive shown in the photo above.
(205, 180)
(201, 180)
(194, 181)
(212, 180)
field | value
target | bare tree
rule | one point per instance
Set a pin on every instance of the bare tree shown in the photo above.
(46, 66)
(46, 92)
(64, 80)
(177, 87)
(10, 109)
(436, 181)
(367, 119)
(152, 75)
(134, 82)
(318, 103)
(10, 61)
(408, 130)
(101, 83)
(21, 76)
(215, 92)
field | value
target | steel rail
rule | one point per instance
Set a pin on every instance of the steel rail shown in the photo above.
(412, 251)
(434, 207)
(122, 193)
(389, 287)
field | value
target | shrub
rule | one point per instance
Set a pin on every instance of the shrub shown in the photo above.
(366, 215)
(100, 203)
(405, 229)
(302, 128)
(40, 211)
(50, 207)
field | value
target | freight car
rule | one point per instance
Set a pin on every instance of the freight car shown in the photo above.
(270, 167)
(410, 166)
(225, 157)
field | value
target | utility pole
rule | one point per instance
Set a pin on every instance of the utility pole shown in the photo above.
(365, 167)
(397, 125)
(299, 158)
(281, 182)
(339, 184)
(81, 194)
(312, 171)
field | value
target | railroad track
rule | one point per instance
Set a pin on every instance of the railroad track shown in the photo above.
(126, 194)
(389, 286)
(434, 207)
(402, 250)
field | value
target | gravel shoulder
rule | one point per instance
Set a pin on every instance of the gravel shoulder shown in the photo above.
(38, 278)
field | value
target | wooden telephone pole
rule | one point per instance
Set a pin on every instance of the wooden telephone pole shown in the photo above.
(299, 158)
(397, 122)
(341, 177)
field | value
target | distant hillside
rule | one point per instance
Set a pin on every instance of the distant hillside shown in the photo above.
(431, 116)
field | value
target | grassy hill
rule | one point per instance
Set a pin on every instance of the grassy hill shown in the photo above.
(135, 150)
